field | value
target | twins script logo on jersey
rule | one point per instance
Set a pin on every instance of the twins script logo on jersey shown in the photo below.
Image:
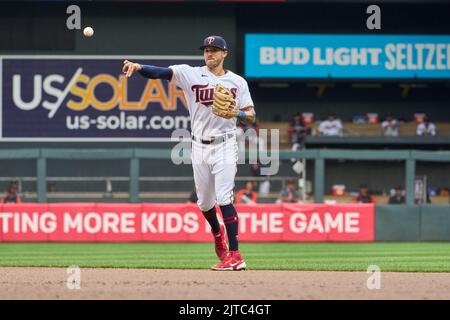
(204, 95)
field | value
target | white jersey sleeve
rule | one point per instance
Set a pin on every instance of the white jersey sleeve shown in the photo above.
(323, 126)
(182, 76)
(432, 129)
(420, 129)
(245, 99)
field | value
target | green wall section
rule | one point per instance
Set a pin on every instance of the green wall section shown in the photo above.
(392, 222)
(412, 223)
(397, 223)
(435, 223)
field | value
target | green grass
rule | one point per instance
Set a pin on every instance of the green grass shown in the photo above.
(405, 257)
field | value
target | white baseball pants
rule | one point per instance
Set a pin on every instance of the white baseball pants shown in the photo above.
(214, 167)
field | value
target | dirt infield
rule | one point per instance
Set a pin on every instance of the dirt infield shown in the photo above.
(51, 283)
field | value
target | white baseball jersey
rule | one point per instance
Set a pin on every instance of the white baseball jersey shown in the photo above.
(198, 85)
(423, 130)
(330, 128)
(390, 128)
(214, 165)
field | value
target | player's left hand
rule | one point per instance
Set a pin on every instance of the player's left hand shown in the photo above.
(224, 104)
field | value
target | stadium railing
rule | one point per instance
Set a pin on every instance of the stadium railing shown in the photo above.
(319, 156)
(108, 191)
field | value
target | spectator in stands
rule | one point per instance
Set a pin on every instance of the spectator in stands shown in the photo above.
(390, 126)
(427, 199)
(289, 193)
(14, 184)
(247, 195)
(264, 185)
(255, 169)
(398, 197)
(363, 195)
(426, 128)
(51, 187)
(297, 132)
(331, 126)
(11, 195)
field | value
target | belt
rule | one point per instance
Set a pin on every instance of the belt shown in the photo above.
(218, 139)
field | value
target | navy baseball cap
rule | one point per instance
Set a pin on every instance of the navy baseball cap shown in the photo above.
(214, 41)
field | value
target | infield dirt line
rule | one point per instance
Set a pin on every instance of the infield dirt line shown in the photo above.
(165, 284)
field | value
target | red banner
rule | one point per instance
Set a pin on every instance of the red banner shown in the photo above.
(175, 222)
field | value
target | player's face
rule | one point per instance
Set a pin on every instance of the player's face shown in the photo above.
(214, 57)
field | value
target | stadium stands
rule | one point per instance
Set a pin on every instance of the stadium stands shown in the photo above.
(406, 129)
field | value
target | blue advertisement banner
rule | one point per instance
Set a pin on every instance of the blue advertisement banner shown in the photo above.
(347, 56)
(88, 98)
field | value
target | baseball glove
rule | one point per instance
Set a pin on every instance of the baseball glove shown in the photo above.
(224, 104)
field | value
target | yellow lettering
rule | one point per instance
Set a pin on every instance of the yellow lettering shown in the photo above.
(79, 92)
(104, 105)
(154, 92)
(124, 103)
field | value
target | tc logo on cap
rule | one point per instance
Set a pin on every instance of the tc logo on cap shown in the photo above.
(214, 41)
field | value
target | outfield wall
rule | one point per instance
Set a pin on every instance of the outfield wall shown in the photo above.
(176, 222)
(412, 223)
(170, 222)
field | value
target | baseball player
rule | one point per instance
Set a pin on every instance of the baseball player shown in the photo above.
(216, 97)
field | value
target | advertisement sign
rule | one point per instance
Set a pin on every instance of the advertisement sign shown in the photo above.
(170, 222)
(88, 98)
(347, 56)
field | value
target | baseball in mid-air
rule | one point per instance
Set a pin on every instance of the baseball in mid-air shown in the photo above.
(88, 32)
